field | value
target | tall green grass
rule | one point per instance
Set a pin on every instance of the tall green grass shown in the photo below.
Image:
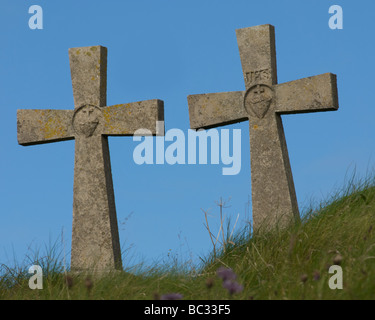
(289, 263)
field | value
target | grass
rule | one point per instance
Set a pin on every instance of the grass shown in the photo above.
(291, 263)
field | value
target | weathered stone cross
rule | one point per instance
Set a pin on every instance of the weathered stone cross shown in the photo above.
(95, 238)
(264, 101)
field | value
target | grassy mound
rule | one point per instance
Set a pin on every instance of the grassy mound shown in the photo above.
(292, 263)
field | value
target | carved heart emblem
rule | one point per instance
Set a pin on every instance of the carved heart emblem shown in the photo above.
(86, 120)
(87, 128)
(258, 100)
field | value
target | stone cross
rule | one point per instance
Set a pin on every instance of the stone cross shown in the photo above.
(95, 238)
(262, 103)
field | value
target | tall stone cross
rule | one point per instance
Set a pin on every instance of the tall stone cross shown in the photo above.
(95, 238)
(262, 103)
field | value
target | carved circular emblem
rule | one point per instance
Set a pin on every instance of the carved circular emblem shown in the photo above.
(86, 119)
(258, 99)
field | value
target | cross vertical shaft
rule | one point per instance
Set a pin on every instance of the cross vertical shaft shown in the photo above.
(272, 186)
(93, 244)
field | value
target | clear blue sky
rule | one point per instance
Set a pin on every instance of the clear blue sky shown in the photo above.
(167, 50)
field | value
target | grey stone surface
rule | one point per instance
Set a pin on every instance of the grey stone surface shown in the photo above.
(262, 103)
(95, 238)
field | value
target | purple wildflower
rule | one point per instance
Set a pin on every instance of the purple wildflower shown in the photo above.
(229, 283)
(226, 274)
(232, 286)
(171, 296)
(316, 275)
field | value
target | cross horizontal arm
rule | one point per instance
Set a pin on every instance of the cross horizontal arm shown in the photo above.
(44, 126)
(313, 94)
(216, 109)
(125, 119)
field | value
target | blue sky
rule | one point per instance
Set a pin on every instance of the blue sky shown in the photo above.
(167, 50)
